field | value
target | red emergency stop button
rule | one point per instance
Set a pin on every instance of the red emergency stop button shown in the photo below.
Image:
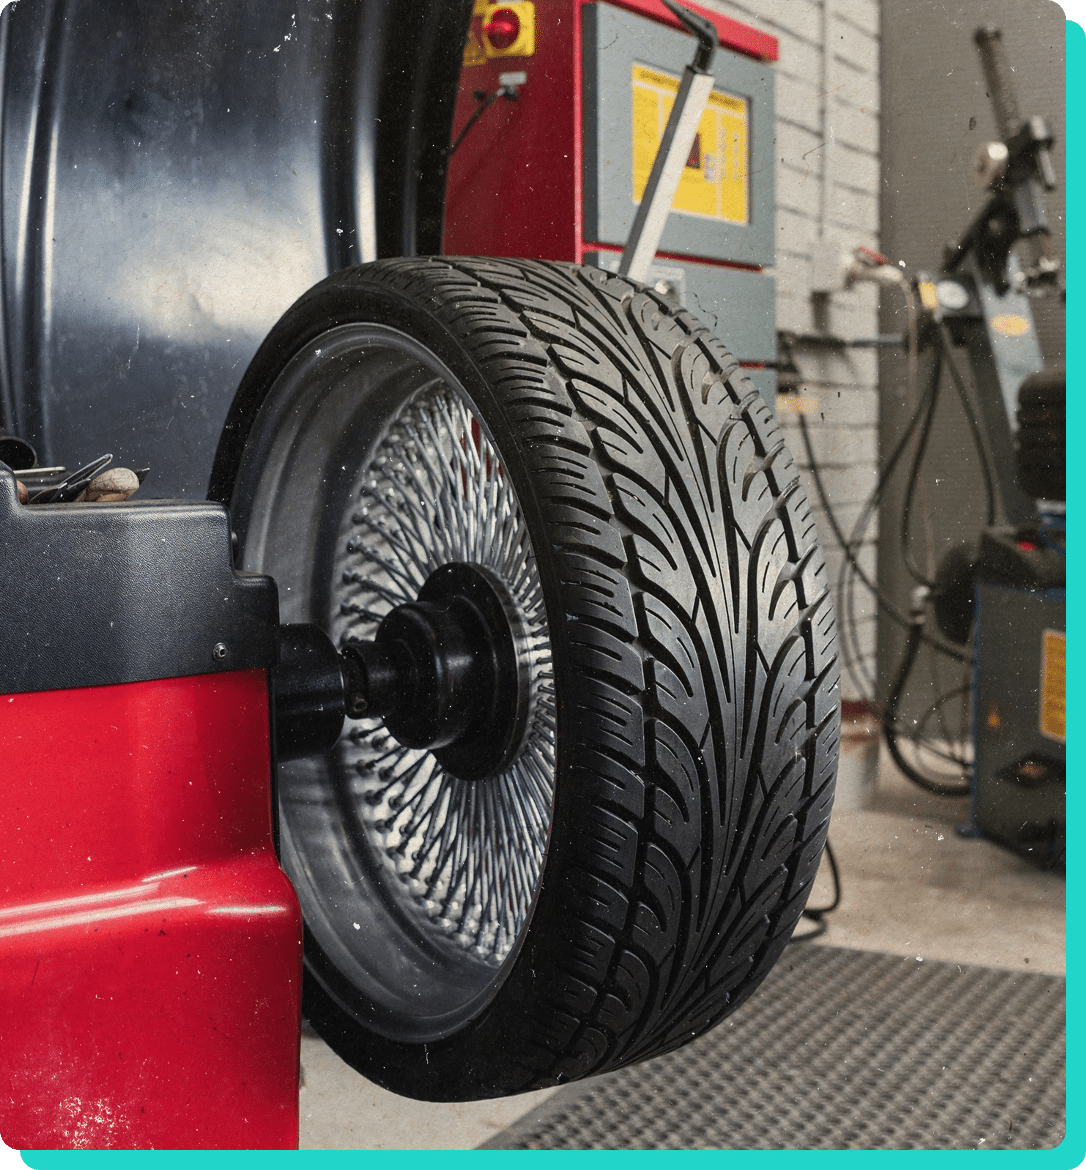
(502, 29)
(508, 29)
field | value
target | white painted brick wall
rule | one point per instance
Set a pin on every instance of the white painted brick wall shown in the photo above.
(853, 46)
(827, 174)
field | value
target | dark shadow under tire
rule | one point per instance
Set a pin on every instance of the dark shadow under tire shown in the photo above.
(683, 660)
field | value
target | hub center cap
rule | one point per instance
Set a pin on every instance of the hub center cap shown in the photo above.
(446, 674)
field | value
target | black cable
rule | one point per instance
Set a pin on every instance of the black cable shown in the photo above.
(938, 708)
(889, 716)
(818, 914)
(983, 454)
(914, 476)
(890, 728)
(505, 91)
(852, 656)
(849, 546)
(857, 537)
(935, 709)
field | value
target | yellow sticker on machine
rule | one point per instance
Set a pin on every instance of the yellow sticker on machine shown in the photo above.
(1054, 685)
(715, 182)
(474, 53)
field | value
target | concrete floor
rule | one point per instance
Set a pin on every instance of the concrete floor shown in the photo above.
(910, 886)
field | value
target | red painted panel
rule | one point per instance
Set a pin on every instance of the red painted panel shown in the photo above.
(515, 182)
(150, 945)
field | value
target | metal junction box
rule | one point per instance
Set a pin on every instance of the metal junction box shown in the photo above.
(723, 209)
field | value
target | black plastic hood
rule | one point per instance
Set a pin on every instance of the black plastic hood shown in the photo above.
(175, 173)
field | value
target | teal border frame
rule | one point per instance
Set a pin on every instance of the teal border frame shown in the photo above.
(1072, 1151)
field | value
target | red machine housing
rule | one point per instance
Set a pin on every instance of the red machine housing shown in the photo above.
(150, 962)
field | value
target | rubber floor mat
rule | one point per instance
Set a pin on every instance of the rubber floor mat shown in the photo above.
(839, 1049)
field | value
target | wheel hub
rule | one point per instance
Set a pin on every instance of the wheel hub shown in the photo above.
(444, 673)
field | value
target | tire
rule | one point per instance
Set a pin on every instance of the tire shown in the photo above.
(952, 596)
(1041, 442)
(679, 635)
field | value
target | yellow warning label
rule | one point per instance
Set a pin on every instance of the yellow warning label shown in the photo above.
(929, 298)
(715, 182)
(797, 403)
(474, 53)
(1054, 685)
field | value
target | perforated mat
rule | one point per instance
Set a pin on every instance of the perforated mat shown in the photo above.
(840, 1049)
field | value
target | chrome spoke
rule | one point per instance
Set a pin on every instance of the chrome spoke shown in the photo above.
(467, 855)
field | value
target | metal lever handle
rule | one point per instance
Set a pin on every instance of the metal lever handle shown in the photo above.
(998, 78)
(702, 28)
(667, 167)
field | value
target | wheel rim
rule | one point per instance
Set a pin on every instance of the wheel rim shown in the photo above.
(417, 885)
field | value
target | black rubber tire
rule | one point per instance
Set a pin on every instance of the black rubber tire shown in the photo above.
(694, 656)
(952, 596)
(1041, 442)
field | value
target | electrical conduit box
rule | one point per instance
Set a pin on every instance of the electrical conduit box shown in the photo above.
(558, 171)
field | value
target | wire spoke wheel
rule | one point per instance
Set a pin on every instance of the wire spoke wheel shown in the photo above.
(583, 810)
(367, 472)
(468, 854)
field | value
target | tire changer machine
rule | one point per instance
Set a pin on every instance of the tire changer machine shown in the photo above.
(1008, 592)
(174, 179)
